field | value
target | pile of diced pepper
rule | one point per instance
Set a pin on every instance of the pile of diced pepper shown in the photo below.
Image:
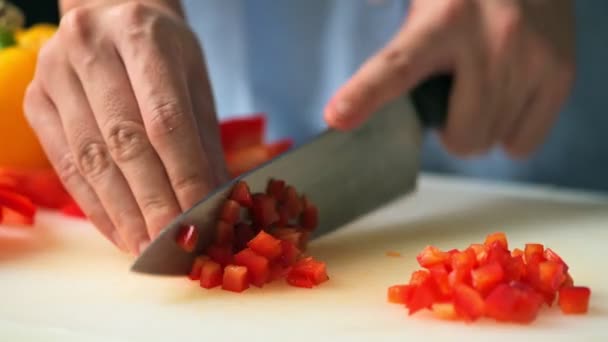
(490, 280)
(259, 238)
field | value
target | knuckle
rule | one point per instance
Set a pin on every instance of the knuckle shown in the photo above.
(93, 159)
(75, 25)
(67, 169)
(455, 11)
(132, 12)
(510, 26)
(396, 59)
(166, 117)
(127, 141)
(187, 182)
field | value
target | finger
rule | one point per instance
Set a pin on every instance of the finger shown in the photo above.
(537, 119)
(44, 120)
(117, 115)
(204, 113)
(467, 121)
(413, 55)
(164, 101)
(93, 159)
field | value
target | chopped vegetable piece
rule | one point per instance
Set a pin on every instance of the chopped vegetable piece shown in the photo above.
(419, 277)
(224, 233)
(550, 255)
(241, 194)
(518, 304)
(445, 311)
(310, 217)
(266, 245)
(497, 253)
(499, 237)
(258, 267)
(275, 188)
(533, 252)
(574, 300)
(311, 269)
(393, 254)
(289, 253)
(399, 294)
(481, 252)
(515, 268)
(235, 278)
(187, 237)
(300, 281)
(220, 254)
(230, 211)
(289, 234)
(195, 272)
(242, 132)
(468, 302)
(422, 297)
(283, 213)
(487, 277)
(264, 211)
(289, 198)
(211, 274)
(551, 275)
(568, 281)
(431, 256)
(242, 234)
(442, 282)
(463, 260)
(517, 252)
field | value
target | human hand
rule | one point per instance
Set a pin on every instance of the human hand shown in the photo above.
(122, 106)
(512, 62)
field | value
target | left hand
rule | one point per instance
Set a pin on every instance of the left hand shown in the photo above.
(512, 61)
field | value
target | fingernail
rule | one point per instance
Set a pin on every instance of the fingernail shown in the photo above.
(118, 241)
(143, 245)
(342, 109)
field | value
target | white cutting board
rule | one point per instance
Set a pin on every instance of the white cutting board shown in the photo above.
(61, 282)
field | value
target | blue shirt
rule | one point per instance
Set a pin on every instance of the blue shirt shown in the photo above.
(286, 58)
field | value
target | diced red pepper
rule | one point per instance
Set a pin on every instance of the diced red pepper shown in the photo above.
(568, 281)
(283, 216)
(497, 253)
(290, 200)
(515, 269)
(242, 234)
(550, 255)
(220, 254)
(289, 253)
(445, 311)
(459, 276)
(499, 237)
(399, 294)
(442, 283)
(300, 281)
(264, 210)
(266, 245)
(230, 211)
(487, 277)
(513, 304)
(241, 194)
(517, 252)
(195, 272)
(533, 253)
(422, 297)
(420, 277)
(224, 233)
(236, 278)
(211, 274)
(431, 256)
(481, 252)
(187, 237)
(41, 186)
(463, 260)
(258, 267)
(275, 188)
(310, 218)
(574, 300)
(288, 234)
(551, 275)
(468, 303)
(311, 269)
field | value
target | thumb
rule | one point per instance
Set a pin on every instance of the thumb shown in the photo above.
(414, 54)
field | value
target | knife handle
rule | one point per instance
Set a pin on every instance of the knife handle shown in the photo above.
(431, 99)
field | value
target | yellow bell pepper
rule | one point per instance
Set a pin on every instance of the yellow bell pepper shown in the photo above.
(19, 146)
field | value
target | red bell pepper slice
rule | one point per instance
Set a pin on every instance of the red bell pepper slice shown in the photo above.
(211, 274)
(266, 245)
(242, 132)
(258, 267)
(399, 294)
(18, 203)
(241, 194)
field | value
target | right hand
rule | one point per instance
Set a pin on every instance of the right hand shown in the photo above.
(122, 105)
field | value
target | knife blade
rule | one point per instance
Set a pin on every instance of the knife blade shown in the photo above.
(345, 173)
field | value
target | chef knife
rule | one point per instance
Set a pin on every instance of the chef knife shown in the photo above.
(346, 174)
